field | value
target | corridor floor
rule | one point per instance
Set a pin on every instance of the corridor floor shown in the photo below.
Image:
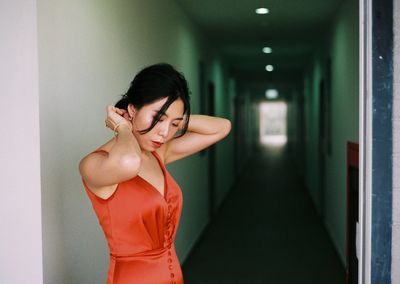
(266, 231)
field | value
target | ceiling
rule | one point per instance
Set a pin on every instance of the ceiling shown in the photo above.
(292, 28)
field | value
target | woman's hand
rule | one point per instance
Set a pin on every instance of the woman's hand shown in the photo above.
(102, 171)
(117, 117)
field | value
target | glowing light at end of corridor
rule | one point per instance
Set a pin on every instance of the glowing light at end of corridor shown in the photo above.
(262, 11)
(276, 140)
(273, 119)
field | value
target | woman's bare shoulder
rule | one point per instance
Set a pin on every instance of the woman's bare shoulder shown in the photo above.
(97, 153)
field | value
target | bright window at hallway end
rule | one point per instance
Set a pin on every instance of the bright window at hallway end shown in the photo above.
(273, 121)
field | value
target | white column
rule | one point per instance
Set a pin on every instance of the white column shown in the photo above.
(396, 146)
(20, 210)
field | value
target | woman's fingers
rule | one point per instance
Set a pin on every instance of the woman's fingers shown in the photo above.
(120, 111)
(126, 115)
(116, 116)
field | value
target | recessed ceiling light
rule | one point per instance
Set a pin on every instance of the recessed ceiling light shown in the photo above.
(269, 68)
(267, 50)
(262, 11)
(271, 94)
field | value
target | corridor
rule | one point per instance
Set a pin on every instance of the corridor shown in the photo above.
(266, 231)
(78, 57)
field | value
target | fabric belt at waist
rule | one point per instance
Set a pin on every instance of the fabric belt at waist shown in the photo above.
(154, 253)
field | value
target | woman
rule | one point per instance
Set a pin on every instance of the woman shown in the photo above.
(137, 202)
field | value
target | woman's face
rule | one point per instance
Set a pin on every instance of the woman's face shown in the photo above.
(164, 130)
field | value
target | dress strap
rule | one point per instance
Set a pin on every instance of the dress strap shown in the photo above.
(155, 154)
(99, 150)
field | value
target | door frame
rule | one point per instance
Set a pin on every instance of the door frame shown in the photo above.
(376, 101)
(211, 154)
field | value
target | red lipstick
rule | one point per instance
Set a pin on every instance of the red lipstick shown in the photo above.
(156, 144)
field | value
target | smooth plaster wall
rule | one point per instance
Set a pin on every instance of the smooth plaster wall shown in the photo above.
(396, 146)
(21, 227)
(342, 45)
(312, 132)
(345, 126)
(89, 52)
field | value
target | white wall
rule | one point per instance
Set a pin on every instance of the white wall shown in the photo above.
(396, 147)
(21, 236)
(89, 52)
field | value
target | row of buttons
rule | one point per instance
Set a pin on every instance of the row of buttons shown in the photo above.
(169, 237)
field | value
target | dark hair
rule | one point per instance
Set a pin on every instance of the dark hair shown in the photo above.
(153, 83)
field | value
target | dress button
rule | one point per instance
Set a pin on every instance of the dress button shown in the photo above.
(172, 275)
(170, 267)
(169, 260)
(169, 253)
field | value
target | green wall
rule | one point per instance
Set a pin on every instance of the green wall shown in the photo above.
(311, 90)
(224, 92)
(341, 45)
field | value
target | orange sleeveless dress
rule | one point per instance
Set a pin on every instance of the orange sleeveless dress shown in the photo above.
(140, 227)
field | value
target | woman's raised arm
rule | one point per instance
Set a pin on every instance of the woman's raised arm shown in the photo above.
(202, 132)
(121, 162)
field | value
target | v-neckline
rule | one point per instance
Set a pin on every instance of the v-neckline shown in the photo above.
(164, 176)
